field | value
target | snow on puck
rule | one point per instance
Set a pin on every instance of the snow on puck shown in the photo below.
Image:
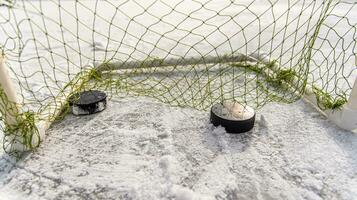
(88, 102)
(233, 116)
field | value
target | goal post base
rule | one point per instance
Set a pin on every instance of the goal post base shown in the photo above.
(14, 142)
(346, 118)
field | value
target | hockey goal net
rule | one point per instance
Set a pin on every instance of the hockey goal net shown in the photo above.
(185, 53)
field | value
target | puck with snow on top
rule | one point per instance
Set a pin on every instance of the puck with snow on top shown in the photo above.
(88, 102)
(233, 116)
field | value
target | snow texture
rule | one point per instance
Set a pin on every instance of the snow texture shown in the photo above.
(142, 149)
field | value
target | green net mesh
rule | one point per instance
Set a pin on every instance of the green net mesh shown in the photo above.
(185, 53)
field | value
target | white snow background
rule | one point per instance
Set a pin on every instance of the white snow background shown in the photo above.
(139, 148)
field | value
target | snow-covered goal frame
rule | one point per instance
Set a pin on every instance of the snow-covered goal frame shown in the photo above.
(185, 53)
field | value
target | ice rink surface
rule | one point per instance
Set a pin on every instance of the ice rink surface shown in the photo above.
(142, 149)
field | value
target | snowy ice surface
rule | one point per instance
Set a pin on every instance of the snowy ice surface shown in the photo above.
(142, 149)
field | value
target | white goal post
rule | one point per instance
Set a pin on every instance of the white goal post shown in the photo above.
(10, 110)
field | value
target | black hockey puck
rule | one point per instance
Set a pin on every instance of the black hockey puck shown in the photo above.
(233, 116)
(88, 102)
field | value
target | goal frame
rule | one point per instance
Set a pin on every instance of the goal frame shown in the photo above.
(344, 117)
